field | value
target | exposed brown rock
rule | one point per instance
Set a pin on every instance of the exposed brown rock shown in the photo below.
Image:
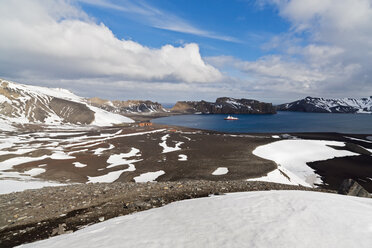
(129, 106)
(72, 112)
(351, 187)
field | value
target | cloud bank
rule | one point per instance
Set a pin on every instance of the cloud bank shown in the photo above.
(57, 40)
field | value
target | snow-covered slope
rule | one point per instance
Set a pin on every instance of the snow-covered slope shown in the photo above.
(251, 219)
(25, 104)
(323, 105)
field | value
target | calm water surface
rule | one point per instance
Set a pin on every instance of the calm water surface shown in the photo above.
(281, 122)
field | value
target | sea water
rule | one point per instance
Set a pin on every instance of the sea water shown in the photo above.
(281, 122)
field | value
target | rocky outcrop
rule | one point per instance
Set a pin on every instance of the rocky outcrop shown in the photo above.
(322, 105)
(224, 105)
(351, 187)
(72, 112)
(128, 107)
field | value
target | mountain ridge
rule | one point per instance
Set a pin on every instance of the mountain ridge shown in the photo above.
(22, 104)
(224, 105)
(329, 105)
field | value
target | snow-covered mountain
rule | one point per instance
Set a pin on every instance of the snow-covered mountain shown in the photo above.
(128, 107)
(224, 105)
(25, 104)
(323, 105)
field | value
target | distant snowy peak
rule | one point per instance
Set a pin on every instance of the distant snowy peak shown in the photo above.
(26, 104)
(128, 107)
(323, 105)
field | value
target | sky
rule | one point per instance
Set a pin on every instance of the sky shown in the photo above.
(168, 50)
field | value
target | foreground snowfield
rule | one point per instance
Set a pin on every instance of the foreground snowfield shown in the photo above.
(250, 219)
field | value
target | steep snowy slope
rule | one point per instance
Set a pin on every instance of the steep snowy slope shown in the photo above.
(323, 105)
(26, 104)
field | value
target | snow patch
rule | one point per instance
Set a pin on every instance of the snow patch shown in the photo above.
(220, 171)
(100, 150)
(294, 154)
(167, 148)
(34, 172)
(120, 159)
(79, 165)
(111, 176)
(182, 157)
(148, 177)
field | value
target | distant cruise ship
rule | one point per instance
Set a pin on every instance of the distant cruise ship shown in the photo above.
(231, 118)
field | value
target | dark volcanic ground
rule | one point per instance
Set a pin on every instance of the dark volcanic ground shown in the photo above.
(106, 152)
(205, 151)
(334, 171)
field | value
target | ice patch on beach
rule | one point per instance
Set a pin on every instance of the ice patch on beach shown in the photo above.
(148, 177)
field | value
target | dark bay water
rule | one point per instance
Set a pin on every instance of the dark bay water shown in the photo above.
(279, 123)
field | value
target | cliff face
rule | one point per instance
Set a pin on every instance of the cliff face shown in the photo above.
(322, 105)
(128, 107)
(224, 105)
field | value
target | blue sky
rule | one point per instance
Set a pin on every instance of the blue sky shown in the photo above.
(270, 50)
(247, 24)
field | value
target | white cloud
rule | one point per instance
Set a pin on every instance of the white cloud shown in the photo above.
(326, 52)
(55, 39)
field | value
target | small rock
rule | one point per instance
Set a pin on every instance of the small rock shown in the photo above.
(351, 187)
(218, 193)
(59, 230)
